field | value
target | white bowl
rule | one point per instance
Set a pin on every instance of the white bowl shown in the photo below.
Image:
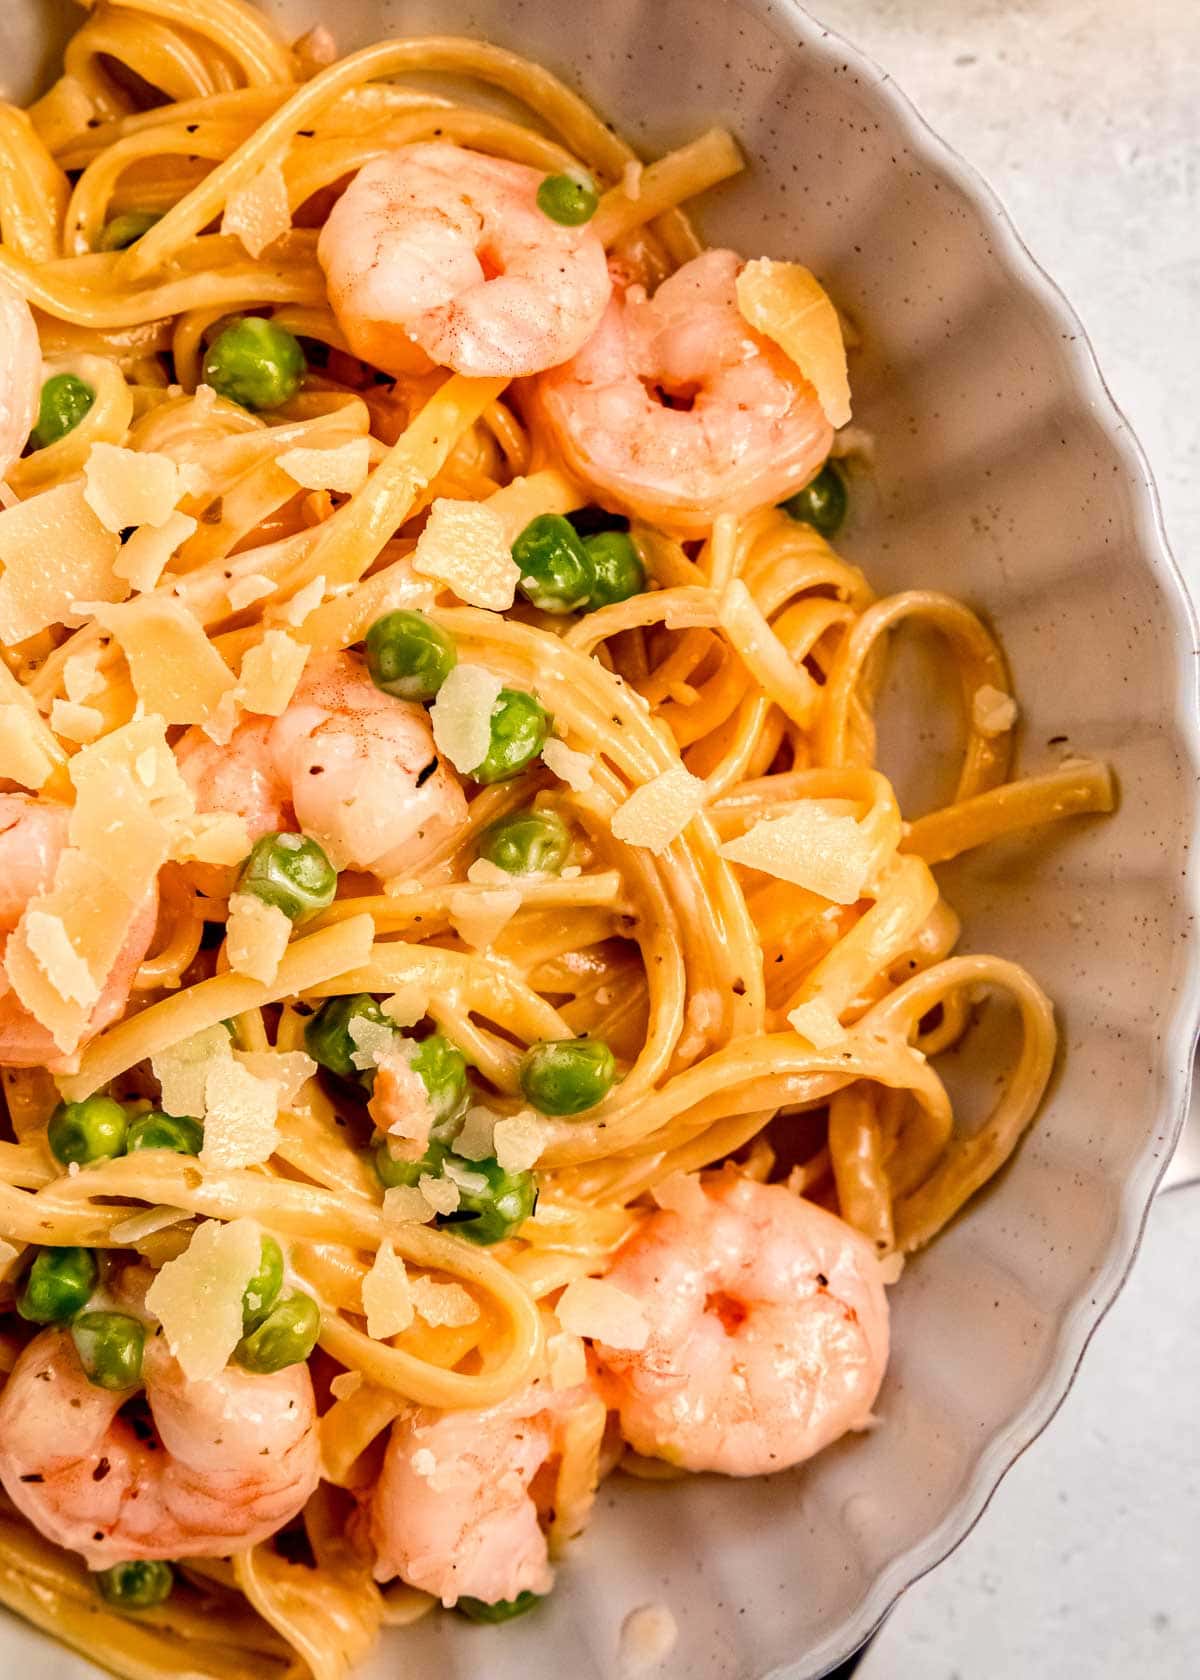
(1006, 475)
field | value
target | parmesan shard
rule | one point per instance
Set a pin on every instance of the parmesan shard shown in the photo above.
(464, 546)
(81, 676)
(182, 1070)
(441, 1193)
(54, 553)
(305, 601)
(241, 1117)
(23, 759)
(373, 1042)
(812, 848)
(657, 813)
(342, 468)
(219, 837)
(681, 1193)
(599, 1310)
(288, 1070)
(143, 560)
(176, 671)
(258, 213)
(256, 936)
(128, 794)
(566, 1361)
(446, 1304)
(992, 711)
(462, 715)
(72, 722)
(345, 1384)
(244, 591)
(404, 1204)
(407, 1006)
(386, 1295)
(519, 1141)
(573, 768)
(788, 304)
(270, 672)
(476, 1139)
(198, 1297)
(125, 487)
(817, 1022)
(479, 918)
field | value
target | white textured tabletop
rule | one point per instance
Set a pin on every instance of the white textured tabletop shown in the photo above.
(1085, 117)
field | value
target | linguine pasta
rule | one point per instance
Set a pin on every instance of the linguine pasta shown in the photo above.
(755, 1019)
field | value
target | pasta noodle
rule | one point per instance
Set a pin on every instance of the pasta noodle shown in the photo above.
(778, 1014)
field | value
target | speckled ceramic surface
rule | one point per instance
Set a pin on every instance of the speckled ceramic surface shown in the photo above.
(1003, 474)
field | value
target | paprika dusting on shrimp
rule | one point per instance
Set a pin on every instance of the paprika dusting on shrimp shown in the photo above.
(469, 1008)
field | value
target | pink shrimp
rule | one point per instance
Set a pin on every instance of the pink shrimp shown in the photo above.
(768, 1330)
(228, 1463)
(676, 410)
(437, 255)
(345, 763)
(453, 1512)
(33, 833)
(20, 374)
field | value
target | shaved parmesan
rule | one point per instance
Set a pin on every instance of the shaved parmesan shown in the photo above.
(139, 748)
(992, 711)
(474, 1183)
(270, 672)
(441, 1193)
(125, 487)
(400, 1104)
(217, 837)
(304, 601)
(23, 759)
(144, 557)
(373, 1041)
(345, 1384)
(404, 1204)
(127, 798)
(50, 944)
(519, 1141)
(182, 1070)
(826, 854)
(648, 1636)
(462, 715)
(574, 768)
(443, 1303)
(75, 723)
(656, 814)
(480, 917)
(288, 1070)
(198, 1297)
(475, 1139)
(681, 1193)
(342, 468)
(258, 213)
(597, 1309)
(256, 936)
(789, 305)
(817, 1022)
(464, 546)
(386, 1295)
(81, 676)
(54, 552)
(406, 1007)
(226, 716)
(486, 874)
(146, 1222)
(245, 590)
(566, 1361)
(241, 1115)
(176, 671)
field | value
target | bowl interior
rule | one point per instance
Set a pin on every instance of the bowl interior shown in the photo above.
(1002, 475)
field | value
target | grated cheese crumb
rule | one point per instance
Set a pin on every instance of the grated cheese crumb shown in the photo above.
(243, 591)
(342, 468)
(125, 487)
(241, 1117)
(682, 1193)
(407, 1006)
(373, 1040)
(345, 1384)
(464, 546)
(441, 1193)
(198, 1297)
(656, 814)
(75, 723)
(826, 854)
(519, 1141)
(480, 917)
(404, 1204)
(597, 1309)
(574, 768)
(648, 1636)
(817, 1022)
(462, 715)
(992, 711)
(475, 1141)
(258, 213)
(304, 601)
(256, 936)
(444, 1303)
(566, 1361)
(270, 672)
(386, 1295)
(143, 559)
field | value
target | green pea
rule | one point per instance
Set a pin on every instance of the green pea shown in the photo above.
(92, 1130)
(565, 1076)
(291, 872)
(57, 1285)
(327, 1036)
(527, 843)
(262, 1292)
(822, 503)
(255, 363)
(126, 229)
(64, 402)
(443, 1070)
(502, 1206)
(616, 568)
(476, 1610)
(156, 1130)
(519, 728)
(568, 199)
(137, 1585)
(285, 1337)
(392, 1172)
(408, 656)
(110, 1345)
(556, 574)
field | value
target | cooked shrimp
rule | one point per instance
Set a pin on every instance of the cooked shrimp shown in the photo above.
(345, 763)
(33, 833)
(676, 410)
(453, 1512)
(231, 1461)
(20, 374)
(768, 1330)
(440, 255)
